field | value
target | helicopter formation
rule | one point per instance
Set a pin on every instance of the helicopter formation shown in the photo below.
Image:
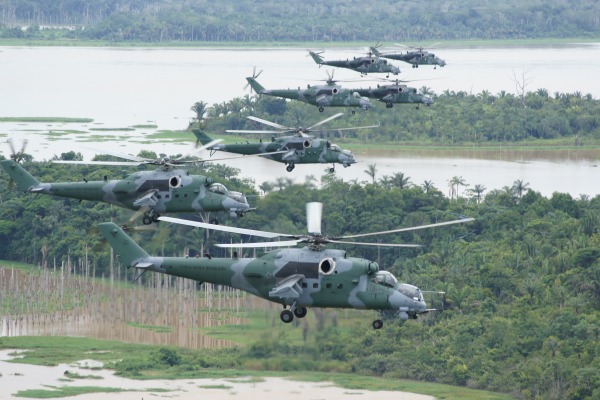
(296, 278)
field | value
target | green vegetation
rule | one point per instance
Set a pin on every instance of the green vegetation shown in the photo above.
(75, 375)
(46, 119)
(147, 126)
(215, 387)
(247, 21)
(126, 129)
(64, 391)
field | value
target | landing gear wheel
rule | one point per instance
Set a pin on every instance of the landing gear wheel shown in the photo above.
(353, 112)
(155, 217)
(147, 220)
(377, 324)
(321, 109)
(286, 316)
(332, 170)
(214, 221)
(389, 105)
(290, 168)
(300, 312)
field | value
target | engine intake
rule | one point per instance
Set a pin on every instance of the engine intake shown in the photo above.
(327, 266)
(175, 181)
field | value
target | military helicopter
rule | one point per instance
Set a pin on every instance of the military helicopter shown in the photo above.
(415, 57)
(301, 148)
(328, 95)
(364, 65)
(395, 93)
(296, 278)
(164, 190)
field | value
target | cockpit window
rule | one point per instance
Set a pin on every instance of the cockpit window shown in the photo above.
(218, 188)
(237, 196)
(409, 291)
(335, 147)
(347, 152)
(386, 279)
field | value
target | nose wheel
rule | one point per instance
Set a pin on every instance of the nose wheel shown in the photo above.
(377, 324)
(290, 167)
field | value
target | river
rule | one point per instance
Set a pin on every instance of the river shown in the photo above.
(121, 87)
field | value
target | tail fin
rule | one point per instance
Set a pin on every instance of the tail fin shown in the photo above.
(257, 87)
(130, 252)
(374, 51)
(202, 137)
(22, 178)
(316, 57)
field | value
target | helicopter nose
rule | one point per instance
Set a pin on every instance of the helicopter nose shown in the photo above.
(365, 103)
(427, 100)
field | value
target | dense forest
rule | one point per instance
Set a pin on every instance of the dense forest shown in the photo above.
(522, 281)
(455, 118)
(163, 21)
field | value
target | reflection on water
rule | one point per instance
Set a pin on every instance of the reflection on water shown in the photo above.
(164, 310)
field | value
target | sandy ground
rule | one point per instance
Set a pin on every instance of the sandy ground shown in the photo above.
(16, 377)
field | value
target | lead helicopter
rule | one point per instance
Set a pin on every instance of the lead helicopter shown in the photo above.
(299, 148)
(165, 190)
(296, 278)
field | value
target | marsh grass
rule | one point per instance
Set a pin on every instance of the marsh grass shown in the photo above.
(65, 391)
(75, 375)
(215, 387)
(125, 129)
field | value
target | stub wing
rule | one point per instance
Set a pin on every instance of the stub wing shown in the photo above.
(149, 199)
(288, 288)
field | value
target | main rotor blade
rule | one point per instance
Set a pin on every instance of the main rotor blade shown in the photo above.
(375, 244)
(352, 128)
(250, 131)
(223, 228)
(246, 155)
(283, 243)
(265, 122)
(117, 163)
(199, 149)
(325, 120)
(414, 228)
(314, 211)
(120, 155)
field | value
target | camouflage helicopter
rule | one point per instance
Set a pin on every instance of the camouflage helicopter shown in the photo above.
(296, 278)
(395, 93)
(364, 65)
(328, 95)
(415, 57)
(165, 190)
(301, 148)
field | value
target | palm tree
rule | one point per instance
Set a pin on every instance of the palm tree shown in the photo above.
(456, 181)
(200, 109)
(519, 187)
(427, 186)
(371, 171)
(400, 181)
(478, 190)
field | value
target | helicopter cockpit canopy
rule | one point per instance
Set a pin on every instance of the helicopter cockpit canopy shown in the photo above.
(410, 291)
(385, 278)
(347, 152)
(218, 188)
(237, 196)
(335, 147)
